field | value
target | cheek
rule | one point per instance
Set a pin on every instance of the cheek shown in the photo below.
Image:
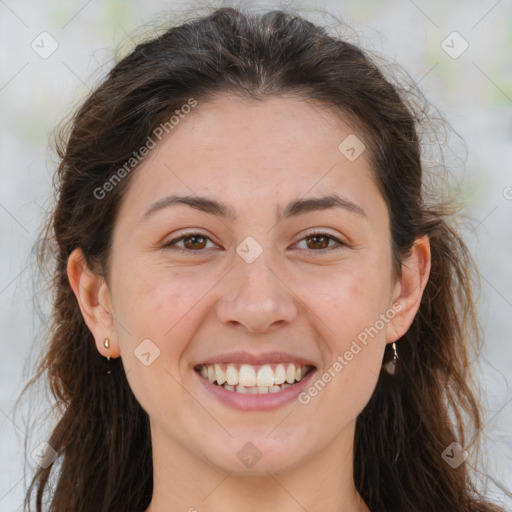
(159, 306)
(350, 305)
(356, 339)
(353, 350)
(156, 303)
(348, 301)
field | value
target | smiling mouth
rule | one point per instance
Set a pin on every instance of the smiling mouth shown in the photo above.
(253, 379)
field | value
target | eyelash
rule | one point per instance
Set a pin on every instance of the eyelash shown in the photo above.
(170, 244)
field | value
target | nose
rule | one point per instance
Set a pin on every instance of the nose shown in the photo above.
(256, 297)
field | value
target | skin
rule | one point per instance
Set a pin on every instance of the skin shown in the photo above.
(255, 157)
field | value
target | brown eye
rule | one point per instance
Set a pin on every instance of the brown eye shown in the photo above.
(196, 242)
(319, 242)
(193, 242)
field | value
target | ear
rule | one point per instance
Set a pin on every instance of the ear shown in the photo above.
(93, 297)
(409, 289)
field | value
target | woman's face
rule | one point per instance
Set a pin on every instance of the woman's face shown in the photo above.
(252, 290)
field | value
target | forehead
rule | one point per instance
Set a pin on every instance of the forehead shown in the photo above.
(253, 151)
(284, 125)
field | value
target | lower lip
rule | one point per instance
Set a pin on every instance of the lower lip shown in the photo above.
(256, 402)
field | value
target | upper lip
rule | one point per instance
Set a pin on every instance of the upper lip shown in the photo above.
(241, 357)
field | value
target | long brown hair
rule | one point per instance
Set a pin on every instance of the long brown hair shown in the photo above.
(102, 437)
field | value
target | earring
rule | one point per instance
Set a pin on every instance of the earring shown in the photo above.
(390, 366)
(106, 344)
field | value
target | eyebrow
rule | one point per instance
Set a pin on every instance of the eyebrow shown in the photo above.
(292, 209)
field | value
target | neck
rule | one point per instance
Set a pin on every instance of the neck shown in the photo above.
(183, 482)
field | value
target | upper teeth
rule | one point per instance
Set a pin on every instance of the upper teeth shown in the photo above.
(248, 375)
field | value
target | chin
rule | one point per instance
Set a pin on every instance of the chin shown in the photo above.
(257, 455)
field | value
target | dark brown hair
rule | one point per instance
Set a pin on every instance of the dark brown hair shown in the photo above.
(102, 435)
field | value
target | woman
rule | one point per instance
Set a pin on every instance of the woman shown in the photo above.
(255, 306)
